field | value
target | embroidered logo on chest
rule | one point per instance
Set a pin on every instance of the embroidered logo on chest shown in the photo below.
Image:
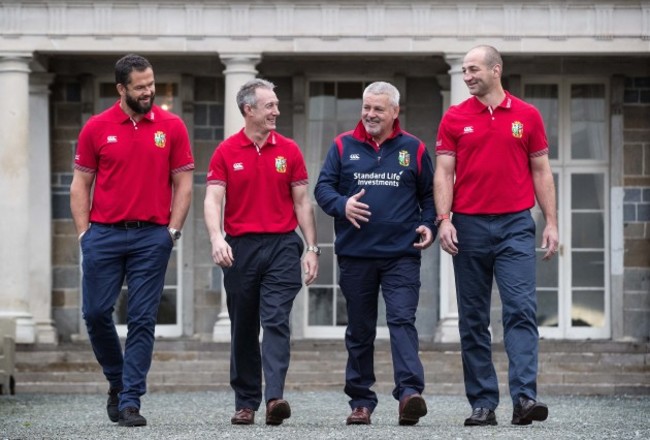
(404, 158)
(160, 139)
(111, 139)
(354, 156)
(239, 166)
(517, 129)
(281, 164)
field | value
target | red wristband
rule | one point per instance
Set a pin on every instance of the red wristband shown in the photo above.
(441, 217)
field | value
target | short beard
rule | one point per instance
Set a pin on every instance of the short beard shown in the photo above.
(137, 107)
(376, 130)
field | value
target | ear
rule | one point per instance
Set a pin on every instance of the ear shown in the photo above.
(498, 69)
(121, 90)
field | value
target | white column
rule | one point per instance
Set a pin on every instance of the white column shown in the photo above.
(14, 193)
(40, 208)
(240, 68)
(448, 325)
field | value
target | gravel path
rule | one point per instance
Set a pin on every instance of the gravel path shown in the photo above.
(316, 415)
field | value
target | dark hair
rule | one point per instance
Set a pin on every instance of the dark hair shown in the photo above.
(246, 94)
(128, 64)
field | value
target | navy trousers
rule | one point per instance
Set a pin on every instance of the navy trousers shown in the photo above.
(399, 279)
(111, 255)
(503, 248)
(260, 287)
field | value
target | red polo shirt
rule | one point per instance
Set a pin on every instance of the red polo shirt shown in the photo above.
(133, 163)
(492, 151)
(258, 184)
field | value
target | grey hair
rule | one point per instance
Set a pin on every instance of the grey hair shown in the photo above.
(383, 88)
(246, 94)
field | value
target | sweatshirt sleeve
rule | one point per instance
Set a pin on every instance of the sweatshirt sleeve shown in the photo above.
(425, 190)
(327, 188)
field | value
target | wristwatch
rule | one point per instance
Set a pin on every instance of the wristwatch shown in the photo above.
(314, 249)
(175, 233)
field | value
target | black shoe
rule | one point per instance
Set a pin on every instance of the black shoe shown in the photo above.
(527, 410)
(481, 417)
(113, 403)
(130, 416)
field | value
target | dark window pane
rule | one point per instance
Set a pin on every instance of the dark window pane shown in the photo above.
(547, 308)
(588, 308)
(587, 191)
(588, 230)
(167, 308)
(341, 309)
(320, 306)
(588, 269)
(349, 90)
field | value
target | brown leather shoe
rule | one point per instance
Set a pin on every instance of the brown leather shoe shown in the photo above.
(360, 416)
(276, 411)
(244, 416)
(411, 408)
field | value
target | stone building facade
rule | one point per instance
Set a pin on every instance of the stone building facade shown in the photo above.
(585, 65)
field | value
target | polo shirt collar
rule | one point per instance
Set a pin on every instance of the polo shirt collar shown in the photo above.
(244, 141)
(361, 134)
(478, 107)
(119, 115)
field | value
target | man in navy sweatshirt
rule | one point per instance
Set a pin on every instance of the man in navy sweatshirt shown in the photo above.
(377, 183)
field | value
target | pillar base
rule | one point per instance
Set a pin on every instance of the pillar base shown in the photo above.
(25, 326)
(46, 333)
(221, 330)
(448, 330)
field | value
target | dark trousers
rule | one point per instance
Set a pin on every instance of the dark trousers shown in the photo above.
(111, 255)
(399, 279)
(502, 248)
(260, 287)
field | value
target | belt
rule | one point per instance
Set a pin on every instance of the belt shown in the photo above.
(130, 224)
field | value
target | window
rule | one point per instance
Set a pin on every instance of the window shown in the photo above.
(573, 289)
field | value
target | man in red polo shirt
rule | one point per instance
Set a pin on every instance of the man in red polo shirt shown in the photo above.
(495, 146)
(138, 157)
(263, 178)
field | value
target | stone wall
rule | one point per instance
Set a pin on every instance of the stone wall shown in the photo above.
(636, 207)
(208, 132)
(66, 122)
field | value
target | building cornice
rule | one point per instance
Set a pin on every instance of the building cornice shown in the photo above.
(416, 27)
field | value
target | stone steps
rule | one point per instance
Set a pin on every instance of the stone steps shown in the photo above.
(565, 367)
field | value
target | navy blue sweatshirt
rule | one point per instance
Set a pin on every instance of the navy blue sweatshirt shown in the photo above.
(398, 180)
